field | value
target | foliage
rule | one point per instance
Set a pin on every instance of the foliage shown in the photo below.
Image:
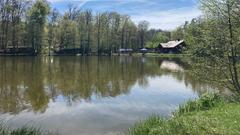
(177, 34)
(68, 33)
(21, 131)
(158, 38)
(142, 27)
(36, 20)
(31, 23)
(215, 35)
(205, 102)
(26, 130)
(145, 127)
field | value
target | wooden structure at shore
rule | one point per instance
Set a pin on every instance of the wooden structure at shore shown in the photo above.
(171, 47)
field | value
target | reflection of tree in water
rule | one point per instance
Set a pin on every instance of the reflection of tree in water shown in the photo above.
(30, 83)
(81, 77)
(198, 81)
(21, 85)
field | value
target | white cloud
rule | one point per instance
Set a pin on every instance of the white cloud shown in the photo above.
(81, 2)
(163, 19)
(119, 1)
(168, 19)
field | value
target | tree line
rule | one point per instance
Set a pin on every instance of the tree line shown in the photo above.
(34, 24)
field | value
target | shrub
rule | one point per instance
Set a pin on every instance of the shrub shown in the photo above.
(144, 127)
(205, 102)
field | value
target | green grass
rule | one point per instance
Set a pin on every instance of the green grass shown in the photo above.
(205, 102)
(210, 115)
(4, 130)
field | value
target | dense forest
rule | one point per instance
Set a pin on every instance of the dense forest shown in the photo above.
(34, 25)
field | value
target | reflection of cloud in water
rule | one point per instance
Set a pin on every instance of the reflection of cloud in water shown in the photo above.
(171, 65)
(91, 95)
(108, 115)
(143, 60)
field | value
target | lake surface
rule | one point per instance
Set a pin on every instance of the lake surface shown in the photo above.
(92, 95)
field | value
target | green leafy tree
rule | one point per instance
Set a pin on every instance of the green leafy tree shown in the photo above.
(157, 39)
(216, 35)
(68, 33)
(36, 22)
(177, 34)
(53, 29)
(31, 23)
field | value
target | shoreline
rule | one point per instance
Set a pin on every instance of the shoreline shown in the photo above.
(79, 55)
(209, 114)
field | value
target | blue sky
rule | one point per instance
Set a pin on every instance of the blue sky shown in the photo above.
(163, 14)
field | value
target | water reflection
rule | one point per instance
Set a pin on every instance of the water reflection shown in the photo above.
(170, 65)
(92, 95)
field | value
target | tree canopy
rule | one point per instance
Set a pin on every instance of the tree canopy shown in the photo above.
(30, 23)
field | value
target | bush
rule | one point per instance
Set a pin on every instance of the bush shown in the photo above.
(21, 131)
(144, 127)
(205, 102)
(27, 130)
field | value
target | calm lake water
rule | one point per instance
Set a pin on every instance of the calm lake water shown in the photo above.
(92, 95)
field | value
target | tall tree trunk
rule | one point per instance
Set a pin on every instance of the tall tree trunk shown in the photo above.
(233, 60)
(98, 35)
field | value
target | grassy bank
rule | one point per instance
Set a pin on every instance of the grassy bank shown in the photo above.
(210, 115)
(4, 130)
